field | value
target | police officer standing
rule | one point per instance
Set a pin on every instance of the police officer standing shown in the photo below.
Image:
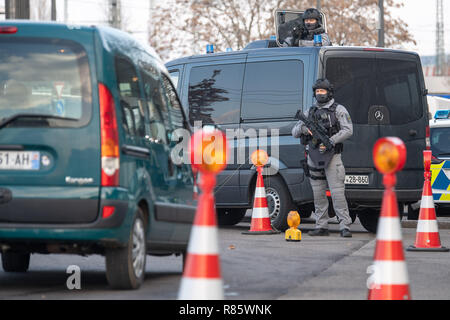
(325, 165)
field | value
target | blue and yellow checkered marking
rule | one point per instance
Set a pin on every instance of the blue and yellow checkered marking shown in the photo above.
(440, 182)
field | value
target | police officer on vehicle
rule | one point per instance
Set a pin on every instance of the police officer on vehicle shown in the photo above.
(325, 165)
(302, 30)
(311, 20)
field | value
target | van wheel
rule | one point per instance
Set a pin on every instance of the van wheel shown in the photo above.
(125, 267)
(305, 210)
(279, 201)
(15, 261)
(369, 219)
(332, 213)
(413, 214)
(352, 214)
(230, 217)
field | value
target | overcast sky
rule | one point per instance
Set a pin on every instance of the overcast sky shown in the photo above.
(420, 15)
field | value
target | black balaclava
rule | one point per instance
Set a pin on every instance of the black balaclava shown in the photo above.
(323, 84)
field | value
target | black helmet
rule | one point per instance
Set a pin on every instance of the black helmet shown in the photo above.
(312, 13)
(324, 84)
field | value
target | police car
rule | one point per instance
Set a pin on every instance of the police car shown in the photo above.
(440, 165)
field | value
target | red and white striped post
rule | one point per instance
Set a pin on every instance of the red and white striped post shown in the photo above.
(427, 232)
(201, 277)
(390, 279)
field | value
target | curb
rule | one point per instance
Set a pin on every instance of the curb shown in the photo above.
(413, 224)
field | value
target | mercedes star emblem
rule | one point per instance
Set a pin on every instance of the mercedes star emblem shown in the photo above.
(379, 115)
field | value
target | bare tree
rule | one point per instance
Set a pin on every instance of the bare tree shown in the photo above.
(40, 10)
(181, 27)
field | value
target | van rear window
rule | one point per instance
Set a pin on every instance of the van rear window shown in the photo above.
(45, 76)
(364, 83)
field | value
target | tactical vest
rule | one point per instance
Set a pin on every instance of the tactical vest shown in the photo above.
(328, 119)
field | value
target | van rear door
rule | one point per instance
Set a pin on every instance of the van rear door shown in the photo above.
(352, 74)
(49, 153)
(400, 97)
(382, 90)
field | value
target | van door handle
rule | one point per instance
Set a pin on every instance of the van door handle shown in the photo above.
(135, 151)
(412, 132)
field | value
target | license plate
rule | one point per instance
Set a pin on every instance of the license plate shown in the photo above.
(19, 160)
(356, 179)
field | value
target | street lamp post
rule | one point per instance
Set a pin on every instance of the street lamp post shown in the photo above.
(381, 23)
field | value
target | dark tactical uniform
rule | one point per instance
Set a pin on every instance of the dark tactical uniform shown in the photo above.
(302, 34)
(327, 166)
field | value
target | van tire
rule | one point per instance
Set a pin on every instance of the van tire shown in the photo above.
(369, 219)
(120, 271)
(230, 217)
(305, 210)
(413, 214)
(279, 201)
(15, 261)
(353, 215)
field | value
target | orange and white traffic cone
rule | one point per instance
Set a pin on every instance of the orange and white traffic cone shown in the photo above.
(201, 277)
(427, 232)
(390, 278)
(390, 275)
(260, 223)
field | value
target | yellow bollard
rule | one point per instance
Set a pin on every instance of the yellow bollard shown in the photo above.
(293, 220)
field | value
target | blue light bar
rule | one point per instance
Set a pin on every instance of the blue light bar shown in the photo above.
(209, 48)
(442, 114)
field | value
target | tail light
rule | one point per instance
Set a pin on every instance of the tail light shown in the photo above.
(108, 211)
(8, 30)
(427, 138)
(109, 138)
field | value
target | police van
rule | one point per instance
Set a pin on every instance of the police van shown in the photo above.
(262, 86)
(440, 163)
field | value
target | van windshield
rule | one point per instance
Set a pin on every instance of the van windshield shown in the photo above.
(363, 83)
(46, 77)
(440, 141)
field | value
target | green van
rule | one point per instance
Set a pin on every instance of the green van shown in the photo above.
(87, 124)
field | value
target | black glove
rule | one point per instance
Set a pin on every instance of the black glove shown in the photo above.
(305, 138)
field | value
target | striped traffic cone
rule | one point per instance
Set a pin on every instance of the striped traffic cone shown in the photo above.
(427, 232)
(201, 277)
(260, 223)
(390, 278)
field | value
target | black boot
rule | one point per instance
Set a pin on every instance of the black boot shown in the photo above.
(319, 232)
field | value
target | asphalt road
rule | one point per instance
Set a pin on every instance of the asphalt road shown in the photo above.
(253, 267)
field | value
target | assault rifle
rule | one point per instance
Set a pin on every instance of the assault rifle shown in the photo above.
(319, 133)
